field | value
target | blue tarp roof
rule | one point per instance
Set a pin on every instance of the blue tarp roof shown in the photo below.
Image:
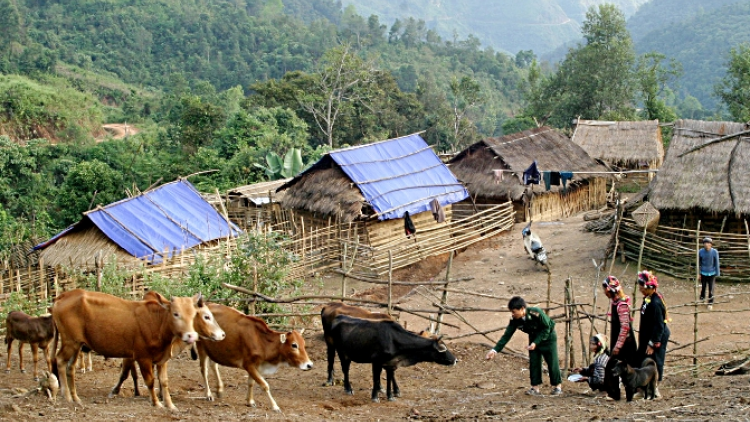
(173, 216)
(399, 175)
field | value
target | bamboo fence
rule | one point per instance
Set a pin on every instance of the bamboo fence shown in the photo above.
(670, 250)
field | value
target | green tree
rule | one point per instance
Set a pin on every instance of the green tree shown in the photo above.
(465, 97)
(88, 184)
(734, 87)
(595, 80)
(653, 77)
(343, 80)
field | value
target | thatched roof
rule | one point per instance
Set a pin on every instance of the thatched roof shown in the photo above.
(711, 178)
(623, 143)
(80, 247)
(552, 151)
(257, 193)
(326, 191)
(383, 179)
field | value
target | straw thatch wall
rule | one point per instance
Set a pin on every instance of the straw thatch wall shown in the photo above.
(703, 175)
(327, 191)
(514, 153)
(83, 247)
(625, 144)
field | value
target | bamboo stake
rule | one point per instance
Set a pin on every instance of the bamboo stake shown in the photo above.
(390, 281)
(638, 269)
(618, 217)
(584, 343)
(549, 286)
(343, 272)
(568, 334)
(695, 291)
(444, 299)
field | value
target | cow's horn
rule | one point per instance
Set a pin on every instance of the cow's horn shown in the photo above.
(283, 338)
(302, 331)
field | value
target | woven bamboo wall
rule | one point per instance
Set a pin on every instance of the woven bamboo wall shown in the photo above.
(672, 251)
(551, 206)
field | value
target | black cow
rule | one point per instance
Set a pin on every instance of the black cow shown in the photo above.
(386, 345)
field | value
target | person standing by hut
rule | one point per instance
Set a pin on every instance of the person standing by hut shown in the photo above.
(623, 347)
(708, 257)
(653, 333)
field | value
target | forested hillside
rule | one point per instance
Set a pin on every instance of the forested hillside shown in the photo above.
(234, 87)
(657, 14)
(506, 25)
(701, 42)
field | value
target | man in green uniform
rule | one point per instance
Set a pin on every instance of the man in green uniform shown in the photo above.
(542, 343)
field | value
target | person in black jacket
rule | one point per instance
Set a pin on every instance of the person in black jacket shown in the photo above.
(653, 334)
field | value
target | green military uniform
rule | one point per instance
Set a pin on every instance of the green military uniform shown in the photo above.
(541, 331)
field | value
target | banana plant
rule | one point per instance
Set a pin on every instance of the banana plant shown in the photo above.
(276, 168)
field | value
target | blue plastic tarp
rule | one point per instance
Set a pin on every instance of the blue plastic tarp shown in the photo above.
(399, 175)
(171, 217)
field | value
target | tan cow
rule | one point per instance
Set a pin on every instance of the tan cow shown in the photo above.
(252, 346)
(118, 328)
(203, 324)
(37, 331)
(329, 312)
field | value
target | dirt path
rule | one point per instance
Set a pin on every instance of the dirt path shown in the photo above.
(473, 389)
(118, 131)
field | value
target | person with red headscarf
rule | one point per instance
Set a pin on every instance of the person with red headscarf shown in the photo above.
(623, 346)
(653, 333)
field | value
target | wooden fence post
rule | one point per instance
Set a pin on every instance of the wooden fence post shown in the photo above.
(695, 291)
(390, 281)
(638, 269)
(343, 273)
(444, 299)
(43, 280)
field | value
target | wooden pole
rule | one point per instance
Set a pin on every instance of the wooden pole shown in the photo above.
(695, 291)
(444, 299)
(99, 273)
(568, 336)
(43, 280)
(584, 343)
(343, 272)
(549, 286)
(638, 268)
(255, 287)
(618, 217)
(748, 238)
(596, 294)
(390, 281)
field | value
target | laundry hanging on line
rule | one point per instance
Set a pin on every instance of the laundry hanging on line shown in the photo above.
(437, 211)
(531, 175)
(409, 225)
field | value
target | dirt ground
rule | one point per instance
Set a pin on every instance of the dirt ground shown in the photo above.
(473, 389)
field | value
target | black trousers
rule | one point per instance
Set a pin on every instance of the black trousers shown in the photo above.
(710, 281)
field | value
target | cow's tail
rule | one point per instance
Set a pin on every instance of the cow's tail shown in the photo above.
(55, 370)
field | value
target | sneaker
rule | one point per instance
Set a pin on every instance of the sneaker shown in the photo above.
(533, 392)
(657, 394)
(557, 391)
(710, 307)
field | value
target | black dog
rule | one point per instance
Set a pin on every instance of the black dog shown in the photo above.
(634, 378)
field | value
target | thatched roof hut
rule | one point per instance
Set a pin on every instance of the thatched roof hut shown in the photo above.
(381, 180)
(512, 154)
(153, 225)
(626, 144)
(705, 170)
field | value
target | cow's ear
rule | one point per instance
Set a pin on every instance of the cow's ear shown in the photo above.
(282, 338)
(198, 300)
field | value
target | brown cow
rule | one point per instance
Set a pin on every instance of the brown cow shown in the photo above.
(37, 331)
(329, 312)
(118, 328)
(203, 326)
(252, 346)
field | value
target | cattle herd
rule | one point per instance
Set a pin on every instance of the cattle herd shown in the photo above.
(150, 331)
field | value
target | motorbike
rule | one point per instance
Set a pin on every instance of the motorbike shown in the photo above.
(533, 246)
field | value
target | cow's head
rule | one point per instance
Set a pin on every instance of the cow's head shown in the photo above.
(182, 311)
(206, 325)
(293, 350)
(441, 354)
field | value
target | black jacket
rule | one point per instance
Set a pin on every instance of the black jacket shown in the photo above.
(653, 326)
